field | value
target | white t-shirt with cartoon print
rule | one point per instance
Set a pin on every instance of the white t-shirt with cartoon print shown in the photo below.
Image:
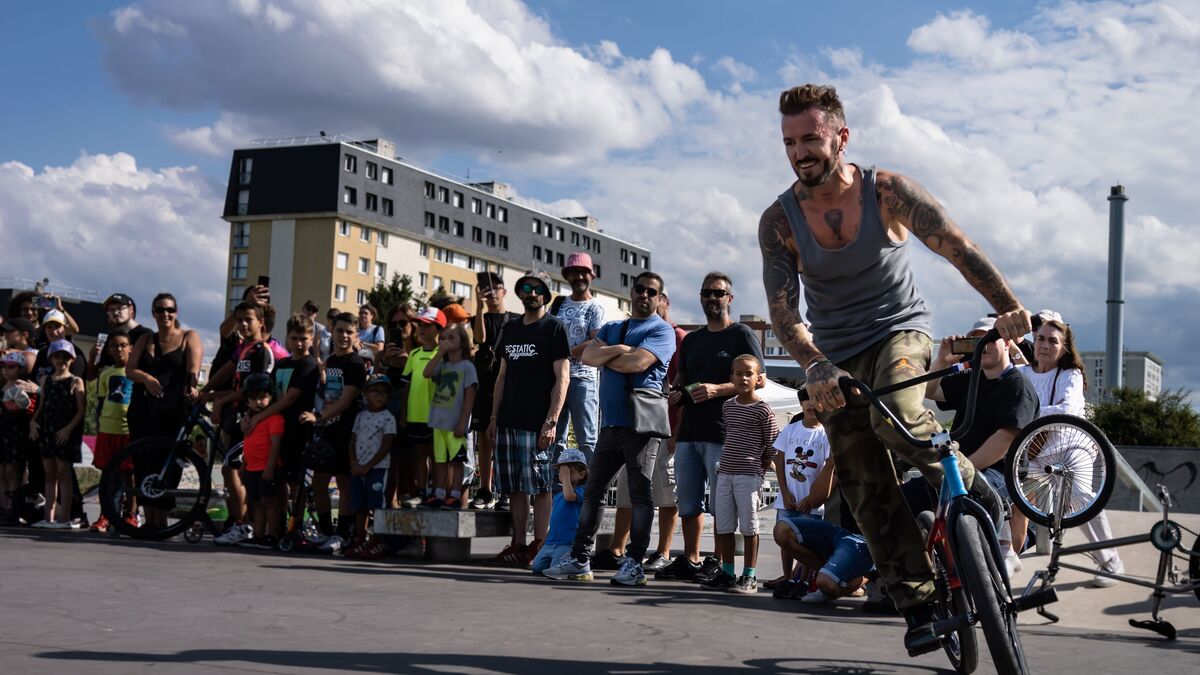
(369, 430)
(804, 452)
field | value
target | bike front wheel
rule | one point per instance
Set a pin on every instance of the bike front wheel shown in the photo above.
(1060, 459)
(979, 570)
(169, 482)
(961, 646)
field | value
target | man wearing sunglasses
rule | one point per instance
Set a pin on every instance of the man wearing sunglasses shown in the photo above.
(701, 387)
(530, 389)
(633, 354)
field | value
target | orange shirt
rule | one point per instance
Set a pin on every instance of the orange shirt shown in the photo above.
(256, 449)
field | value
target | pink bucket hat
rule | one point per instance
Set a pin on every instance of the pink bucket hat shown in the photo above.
(578, 259)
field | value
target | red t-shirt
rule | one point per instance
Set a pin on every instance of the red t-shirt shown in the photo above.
(256, 449)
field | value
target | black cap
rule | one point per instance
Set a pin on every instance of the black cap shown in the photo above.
(18, 324)
(119, 298)
(497, 280)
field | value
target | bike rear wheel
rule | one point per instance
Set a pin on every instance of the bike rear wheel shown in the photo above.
(1194, 566)
(962, 646)
(1060, 455)
(168, 477)
(980, 572)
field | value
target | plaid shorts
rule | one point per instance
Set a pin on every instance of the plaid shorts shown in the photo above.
(520, 465)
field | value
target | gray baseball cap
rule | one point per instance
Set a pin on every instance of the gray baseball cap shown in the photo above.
(571, 456)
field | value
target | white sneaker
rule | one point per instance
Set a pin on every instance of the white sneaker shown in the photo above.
(1012, 562)
(332, 545)
(1113, 567)
(816, 597)
(239, 532)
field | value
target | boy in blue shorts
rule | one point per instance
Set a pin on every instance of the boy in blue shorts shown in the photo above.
(370, 447)
(840, 555)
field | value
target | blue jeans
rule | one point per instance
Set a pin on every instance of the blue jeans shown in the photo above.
(695, 470)
(546, 556)
(582, 410)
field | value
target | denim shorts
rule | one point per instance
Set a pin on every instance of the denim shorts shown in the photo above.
(695, 472)
(366, 492)
(845, 554)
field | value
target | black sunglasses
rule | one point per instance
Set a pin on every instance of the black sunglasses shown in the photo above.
(165, 310)
(650, 292)
(530, 288)
(713, 292)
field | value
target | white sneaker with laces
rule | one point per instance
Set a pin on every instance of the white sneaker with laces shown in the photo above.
(1113, 566)
(816, 597)
(1012, 562)
(332, 545)
(239, 532)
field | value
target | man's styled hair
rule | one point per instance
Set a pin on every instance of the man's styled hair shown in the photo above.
(651, 275)
(800, 99)
(717, 276)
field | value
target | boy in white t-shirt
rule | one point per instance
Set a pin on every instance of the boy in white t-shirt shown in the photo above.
(805, 477)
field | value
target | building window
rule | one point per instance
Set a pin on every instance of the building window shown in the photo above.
(365, 233)
(561, 235)
(372, 171)
(491, 238)
(460, 289)
(381, 270)
(624, 280)
(245, 166)
(491, 211)
(624, 256)
(350, 196)
(596, 270)
(770, 334)
(429, 220)
(430, 189)
(503, 215)
(243, 206)
(235, 296)
(537, 226)
(344, 229)
(437, 283)
(339, 293)
(645, 262)
(548, 230)
(477, 235)
(504, 242)
(383, 236)
(343, 261)
(587, 242)
(362, 297)
(424, 250)
(241, 235)
(386, 176)
(596, 245)
(476, 206)
(351, 163)
(388, 208)
(458, 228)
(443, 195)
(364, 266)
(422, 279)
(623, 305)
(537, 253)
(458, 200)
(559, 258)
(238, 266)
(372, 202)
(574, 238)
(444, 224)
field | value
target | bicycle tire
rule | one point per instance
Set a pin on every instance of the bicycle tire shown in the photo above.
(1194, 566)
(1060, 439)
(150, 485)
(985, 586)
(963, 650)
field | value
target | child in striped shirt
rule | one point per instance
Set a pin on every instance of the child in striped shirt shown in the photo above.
(750, 431)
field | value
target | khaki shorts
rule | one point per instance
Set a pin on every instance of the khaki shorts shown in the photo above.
(736, 504)
(662, 482)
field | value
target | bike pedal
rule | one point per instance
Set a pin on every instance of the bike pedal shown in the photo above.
(1035, 599)
(922, 640)
(1163, 628)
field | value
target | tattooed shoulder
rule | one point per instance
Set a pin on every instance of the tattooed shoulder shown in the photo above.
(906, 200)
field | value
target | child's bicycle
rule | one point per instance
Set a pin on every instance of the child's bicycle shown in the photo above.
(171, 475)
(1060, 472)
(971, 580)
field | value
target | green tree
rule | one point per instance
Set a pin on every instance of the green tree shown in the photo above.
(1129, 417)
(391, 293)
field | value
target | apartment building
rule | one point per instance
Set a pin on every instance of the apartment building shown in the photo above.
(1140, 370)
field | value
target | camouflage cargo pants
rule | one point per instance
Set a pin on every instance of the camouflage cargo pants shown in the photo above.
(859, 439)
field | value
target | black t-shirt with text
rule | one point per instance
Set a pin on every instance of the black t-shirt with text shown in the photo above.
(1007, 401)
(529, 352)
(707, 356)
(485, 363)
(341, 371)
(302, 374)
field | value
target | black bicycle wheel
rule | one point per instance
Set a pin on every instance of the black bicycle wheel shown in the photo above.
(961, 647)
(168, 476)
(985, 585)
(1083, 459)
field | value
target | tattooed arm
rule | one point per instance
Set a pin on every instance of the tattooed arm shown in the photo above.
(904, 200)
(780, 261)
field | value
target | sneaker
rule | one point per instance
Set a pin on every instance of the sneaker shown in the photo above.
(745, 585)
(263, 543)
(656, 562)
(133, 520)
(721, 581)
(606, 560)
(452, 503)
(920, 638)
(484, 499)
(354, 548)
(410, 502)
(817, 597)
(680, 569)
(630, 574)
(1113, 567)
(1012, 562)
(432, 503)
(783, 590)
(502, 504)
(531, 551)
(43, 525)
(315, 538)
(101, 525)
(878, 601)
(511, 556)
(374, 549)
(332, 545)
(235, 534)
(77, 524)
(709, 569)
(775, 583)
(567, 568)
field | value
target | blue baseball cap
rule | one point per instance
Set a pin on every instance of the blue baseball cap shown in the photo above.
(571, 456)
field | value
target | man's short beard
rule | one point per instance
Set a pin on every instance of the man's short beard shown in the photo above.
(830, 167)
(717, 312)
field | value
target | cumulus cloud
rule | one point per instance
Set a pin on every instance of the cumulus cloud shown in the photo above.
(431, 73)
(106, 224)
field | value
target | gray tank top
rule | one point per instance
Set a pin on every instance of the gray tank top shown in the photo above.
(861, 293)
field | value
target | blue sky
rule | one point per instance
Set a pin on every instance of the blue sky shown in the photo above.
(656, 117)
